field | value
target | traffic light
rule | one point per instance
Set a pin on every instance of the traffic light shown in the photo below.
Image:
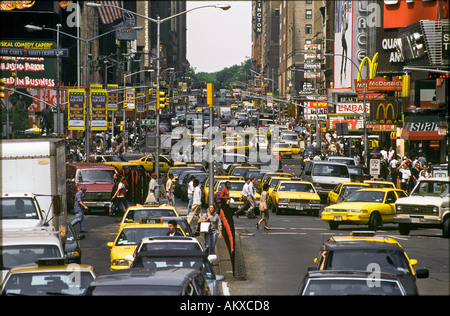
(160, 99)
(2, 89)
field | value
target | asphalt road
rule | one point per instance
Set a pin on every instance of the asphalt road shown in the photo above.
(275, 261)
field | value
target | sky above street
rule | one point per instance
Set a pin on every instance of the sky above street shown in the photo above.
(216, 38)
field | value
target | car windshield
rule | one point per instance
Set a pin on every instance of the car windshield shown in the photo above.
(296, 187)
(330, 170)
(198, 263)
(167, 245)
(112, 158)
(431, 188)
(18, 208)
(366, 196)
(351, 286)
(133, 216)
(274, 182)
(347, 190)
(235, 186)
(282, 145)
(132, 236)
(48, 283)
(289, 137)
(387, 260)
(95, 176)
(13, 256)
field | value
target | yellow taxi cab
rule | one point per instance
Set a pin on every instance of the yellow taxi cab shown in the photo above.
(380, 184)
(286, 150)
(48, 276)
(371, 207)
(294, 195)
(233, 146)
(148, 162)
(272, 182)
(240, 170)
(130, 235)
(200, 141)
(111, 160)
(275, 174)
(343, 189)
(135, 213)
(235, 191)
(361, 249)
(205, 186)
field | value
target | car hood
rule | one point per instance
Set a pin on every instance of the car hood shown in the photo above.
(353, 205)
(122, 251)
(329, 180)
(298, 195)
(20, 223)
(422, 200)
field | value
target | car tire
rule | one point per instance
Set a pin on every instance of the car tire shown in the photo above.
(375, 221)
(333, 225)
(446, 228)
(404, 229)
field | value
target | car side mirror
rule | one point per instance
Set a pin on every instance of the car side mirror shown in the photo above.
(422, 273)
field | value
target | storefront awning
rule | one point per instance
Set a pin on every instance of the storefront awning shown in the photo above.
(421, 127)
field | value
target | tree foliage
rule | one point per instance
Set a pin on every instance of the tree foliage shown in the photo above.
(222, 79)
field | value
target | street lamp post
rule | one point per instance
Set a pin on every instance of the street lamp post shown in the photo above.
(123, 104)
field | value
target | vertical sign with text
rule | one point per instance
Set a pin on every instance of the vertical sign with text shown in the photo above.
(113, 97)
(99, 120)
(76, 115)
(129, 99)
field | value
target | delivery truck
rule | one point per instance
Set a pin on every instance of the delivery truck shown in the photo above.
(35, 169)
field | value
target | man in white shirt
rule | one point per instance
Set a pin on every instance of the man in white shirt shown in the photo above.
(190, 192)
(169, 191)
(245, 197)
(251, 198)
(196, 202)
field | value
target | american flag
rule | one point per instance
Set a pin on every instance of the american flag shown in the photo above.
(109, 15)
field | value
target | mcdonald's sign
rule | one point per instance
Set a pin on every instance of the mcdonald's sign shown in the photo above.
(372, 63)
(393, 135)
(385, 113)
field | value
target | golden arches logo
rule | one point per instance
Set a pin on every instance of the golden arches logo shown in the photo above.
(373, 64)
(385, 109)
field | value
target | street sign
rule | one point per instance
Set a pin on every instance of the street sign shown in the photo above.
(148, 122)
(48, 53)
(374, 168)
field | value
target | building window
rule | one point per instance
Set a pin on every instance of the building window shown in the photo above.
(308, 29)
(308, 41)
(309, 14)
(308, 1)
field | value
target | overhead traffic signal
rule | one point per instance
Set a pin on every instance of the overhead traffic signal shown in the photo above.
(161, 99)
(2, 89)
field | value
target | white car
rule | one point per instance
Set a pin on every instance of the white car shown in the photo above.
(259, 142)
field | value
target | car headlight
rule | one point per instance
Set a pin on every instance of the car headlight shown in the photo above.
(398, 208)
(356, 211)
(315, 201)
(283, 201)
(435, 210)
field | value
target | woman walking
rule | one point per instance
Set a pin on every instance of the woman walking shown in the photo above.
(263, 207)
(214, 230)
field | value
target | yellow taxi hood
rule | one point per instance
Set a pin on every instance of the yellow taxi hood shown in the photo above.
(354, 205)
(297, 195)
(119, 252)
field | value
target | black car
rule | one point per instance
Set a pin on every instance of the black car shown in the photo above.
(359, 253)
(72, 248)
(168, 259)
(186, 173)
(150, 282)
(337, 283)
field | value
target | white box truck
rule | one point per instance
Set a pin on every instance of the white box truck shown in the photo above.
(34, 171)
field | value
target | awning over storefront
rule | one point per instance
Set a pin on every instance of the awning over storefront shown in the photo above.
(421, 127)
